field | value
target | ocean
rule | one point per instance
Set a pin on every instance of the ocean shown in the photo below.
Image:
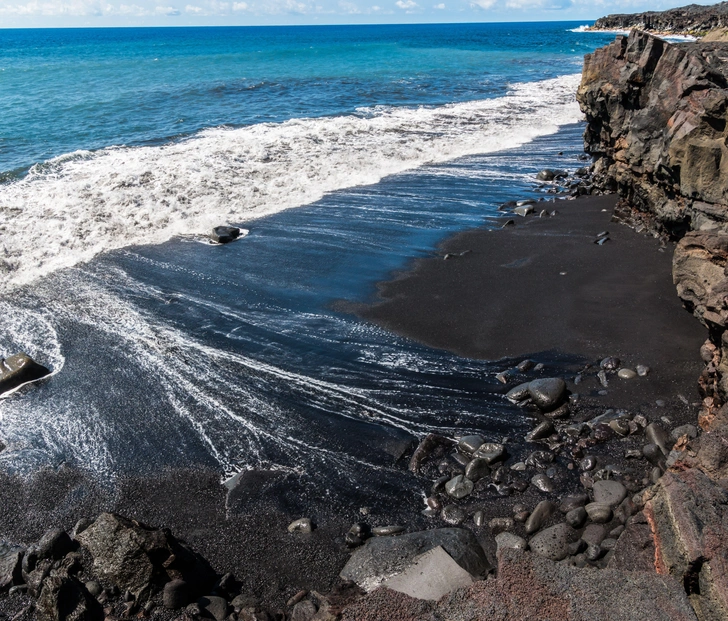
(344, 151)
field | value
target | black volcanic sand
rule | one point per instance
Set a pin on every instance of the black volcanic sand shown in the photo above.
(505, 299)
(543, 289)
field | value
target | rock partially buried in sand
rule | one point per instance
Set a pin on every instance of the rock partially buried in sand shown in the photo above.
(509, 540)
(19, 369)
(541, 431)
(459, 487)
(224, 234)
(303, 525)
(609, 492)
(548, 392)
(553, 542)
(64, 598)
(11, 556)
(627, 374)
(470, 444)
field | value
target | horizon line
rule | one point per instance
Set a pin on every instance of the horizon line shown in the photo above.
(309, 25)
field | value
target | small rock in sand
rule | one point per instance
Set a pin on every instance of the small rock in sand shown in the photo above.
(302, 525)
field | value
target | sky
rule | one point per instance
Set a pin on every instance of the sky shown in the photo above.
(106, 13)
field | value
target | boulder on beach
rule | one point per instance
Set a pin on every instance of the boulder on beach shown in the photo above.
(139, 559)
(382, 558)
(64, 598)
(19, 369)
(224, 234)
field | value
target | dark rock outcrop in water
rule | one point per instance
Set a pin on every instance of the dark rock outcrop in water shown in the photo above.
(224, 234)
(691, 19)
(19, 369)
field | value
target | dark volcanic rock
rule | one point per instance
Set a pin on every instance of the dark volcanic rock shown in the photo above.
(17, 370)
(548, 392)
(689, 517)
(635, 549)
(531, 587)
(691, 19)
(65, 599)
(656, 117)
(224, 234)
(139, 559)
(10, 564)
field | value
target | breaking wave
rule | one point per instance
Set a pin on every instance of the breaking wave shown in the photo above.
(75, 206)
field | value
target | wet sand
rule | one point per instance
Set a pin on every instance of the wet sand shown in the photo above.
(544, 289)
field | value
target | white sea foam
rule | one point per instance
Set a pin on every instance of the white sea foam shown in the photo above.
(666, 37)
(75, 206)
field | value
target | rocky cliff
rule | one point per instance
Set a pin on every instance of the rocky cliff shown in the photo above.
(657, 127)
(691, 19)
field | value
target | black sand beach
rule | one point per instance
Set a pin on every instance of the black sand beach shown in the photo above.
(544, 289)
(506, 298)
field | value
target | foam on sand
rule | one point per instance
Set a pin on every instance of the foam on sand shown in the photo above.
(73, 207)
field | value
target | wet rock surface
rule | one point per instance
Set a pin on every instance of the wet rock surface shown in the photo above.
(19, 369)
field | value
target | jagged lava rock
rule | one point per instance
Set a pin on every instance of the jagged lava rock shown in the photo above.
(140, 559)
(686, 19)
(688, 514)
(531, 587)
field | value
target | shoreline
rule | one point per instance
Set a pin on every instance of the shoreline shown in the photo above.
(226, 537)
(683, 35)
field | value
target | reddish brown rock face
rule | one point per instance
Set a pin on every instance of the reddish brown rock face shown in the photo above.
(689, 517)
(530, 587)
(656, 117)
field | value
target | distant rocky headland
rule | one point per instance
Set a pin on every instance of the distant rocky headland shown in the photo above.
(693, 20)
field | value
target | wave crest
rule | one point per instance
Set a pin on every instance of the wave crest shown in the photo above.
(73, 207)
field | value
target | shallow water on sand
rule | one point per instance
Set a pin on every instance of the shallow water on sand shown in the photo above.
(234, 357)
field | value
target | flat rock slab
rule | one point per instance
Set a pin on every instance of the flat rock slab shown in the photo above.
(609, 492)
(381, 558)
(433, 575)
(530, 588)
